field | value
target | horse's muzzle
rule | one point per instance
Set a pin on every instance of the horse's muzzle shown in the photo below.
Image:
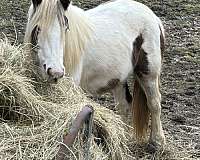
(54, 75)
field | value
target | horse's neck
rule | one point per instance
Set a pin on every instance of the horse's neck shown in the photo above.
(79, 34)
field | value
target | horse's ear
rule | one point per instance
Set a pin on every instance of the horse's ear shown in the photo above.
(65, 3)
(36, 3)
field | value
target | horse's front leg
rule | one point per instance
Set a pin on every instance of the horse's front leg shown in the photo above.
(76, 76)
(123, 100)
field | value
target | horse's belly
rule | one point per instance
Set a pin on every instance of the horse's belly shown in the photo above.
(99, 77)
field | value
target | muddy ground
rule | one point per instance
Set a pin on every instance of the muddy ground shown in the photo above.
(180, 77)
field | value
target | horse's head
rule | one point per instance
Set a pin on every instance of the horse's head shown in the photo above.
(46, 28)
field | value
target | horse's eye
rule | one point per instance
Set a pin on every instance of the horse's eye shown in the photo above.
(37, 30)
(66, 23)
(34, 35)
(65, 20)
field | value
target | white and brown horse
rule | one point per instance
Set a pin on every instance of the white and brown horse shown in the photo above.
(100, 48)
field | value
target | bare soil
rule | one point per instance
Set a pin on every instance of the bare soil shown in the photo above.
(180, 76)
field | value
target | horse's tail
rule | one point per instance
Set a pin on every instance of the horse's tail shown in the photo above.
(162, 37)
(140, 111)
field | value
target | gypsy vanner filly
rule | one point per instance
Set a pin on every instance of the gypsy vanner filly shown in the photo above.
(99, 48)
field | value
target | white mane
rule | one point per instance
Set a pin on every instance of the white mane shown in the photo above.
(80, 31)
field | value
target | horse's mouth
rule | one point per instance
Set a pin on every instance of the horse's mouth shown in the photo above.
(52, 80)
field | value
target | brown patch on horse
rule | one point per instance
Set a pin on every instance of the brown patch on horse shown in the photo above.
(139, 60)
(36, 3)
(140, 108)
(110, 85)
(65, 3)
(137, 44)
(142, 64)
(34, 42)
(162, 42)
(34, 35)
(128, 95)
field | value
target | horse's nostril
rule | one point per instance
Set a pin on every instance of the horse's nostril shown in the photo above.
(45, 66)
(49, 71)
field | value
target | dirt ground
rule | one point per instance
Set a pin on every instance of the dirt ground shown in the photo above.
(181, 69)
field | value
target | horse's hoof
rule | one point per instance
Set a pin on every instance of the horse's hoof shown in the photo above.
(158, 142)
(153, 147)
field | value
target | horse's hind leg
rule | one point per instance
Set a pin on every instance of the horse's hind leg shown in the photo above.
(123, 99)
(150, 84)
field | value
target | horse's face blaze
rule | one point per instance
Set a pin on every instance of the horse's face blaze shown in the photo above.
(50, 51)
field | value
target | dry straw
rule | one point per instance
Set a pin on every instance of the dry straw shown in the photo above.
(34, 115)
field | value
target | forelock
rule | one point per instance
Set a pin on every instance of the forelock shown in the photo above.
(44, 15)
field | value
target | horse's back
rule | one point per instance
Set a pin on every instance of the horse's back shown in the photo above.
(128, 17)
(125, 10)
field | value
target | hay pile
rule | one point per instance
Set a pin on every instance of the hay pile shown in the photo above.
(35, 115)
